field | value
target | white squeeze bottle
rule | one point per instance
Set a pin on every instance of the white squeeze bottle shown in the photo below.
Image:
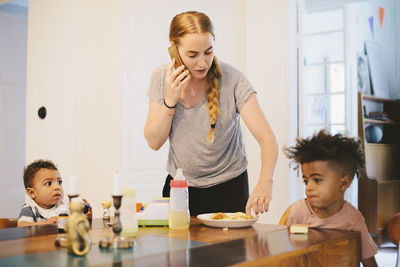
(179, 217)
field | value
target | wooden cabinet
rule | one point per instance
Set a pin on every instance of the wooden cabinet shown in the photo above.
(379, 186)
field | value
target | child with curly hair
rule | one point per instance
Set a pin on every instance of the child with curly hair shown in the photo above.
(328, 164)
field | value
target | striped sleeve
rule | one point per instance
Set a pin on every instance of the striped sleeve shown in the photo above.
(26, 215)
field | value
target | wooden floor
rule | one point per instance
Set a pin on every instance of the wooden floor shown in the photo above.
(387, 253)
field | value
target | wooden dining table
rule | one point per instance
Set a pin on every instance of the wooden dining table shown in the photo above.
(258, 245)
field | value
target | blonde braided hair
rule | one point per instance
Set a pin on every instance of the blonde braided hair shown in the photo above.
(197, 22)
(213, 76)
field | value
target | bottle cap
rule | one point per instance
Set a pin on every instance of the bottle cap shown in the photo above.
(179, 183)
(179, 179)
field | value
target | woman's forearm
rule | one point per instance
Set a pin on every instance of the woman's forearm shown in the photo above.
(158, 125)
(269, 155)
(261, 196)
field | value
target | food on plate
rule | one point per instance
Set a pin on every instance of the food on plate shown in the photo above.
(234, 216)
(241, 216)
(219, 216)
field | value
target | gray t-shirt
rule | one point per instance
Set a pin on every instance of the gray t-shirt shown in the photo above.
(206, 164)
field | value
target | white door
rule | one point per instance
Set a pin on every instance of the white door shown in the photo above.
(141, 167)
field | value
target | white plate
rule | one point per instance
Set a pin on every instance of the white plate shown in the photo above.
(206, 219)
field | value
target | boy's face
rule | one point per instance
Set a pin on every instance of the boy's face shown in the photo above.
(46, 189)
(325, 186)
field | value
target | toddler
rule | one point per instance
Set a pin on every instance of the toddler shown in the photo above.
(43, 196)
(328, 164)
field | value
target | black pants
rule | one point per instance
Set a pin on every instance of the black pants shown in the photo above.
(230, 196)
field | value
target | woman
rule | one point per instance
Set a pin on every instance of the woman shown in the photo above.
(198, 107)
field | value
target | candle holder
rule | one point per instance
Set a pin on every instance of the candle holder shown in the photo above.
(117, 241)
(70, 197)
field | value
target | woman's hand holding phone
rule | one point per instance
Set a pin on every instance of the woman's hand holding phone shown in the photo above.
(176, 80)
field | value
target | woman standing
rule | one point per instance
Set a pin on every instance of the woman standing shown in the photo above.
(198, 107)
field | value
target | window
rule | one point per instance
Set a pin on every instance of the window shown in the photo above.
(324, 90)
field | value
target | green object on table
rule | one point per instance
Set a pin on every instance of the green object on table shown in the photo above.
(144, 222)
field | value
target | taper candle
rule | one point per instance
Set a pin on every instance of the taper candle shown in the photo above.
(117, 188)
(73, 185)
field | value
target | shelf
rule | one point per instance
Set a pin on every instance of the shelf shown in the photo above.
(379, 185)
(391, 181)
(387, 122)
(382, 161)
(379, 99)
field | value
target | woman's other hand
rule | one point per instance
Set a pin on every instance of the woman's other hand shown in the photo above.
(260, 197)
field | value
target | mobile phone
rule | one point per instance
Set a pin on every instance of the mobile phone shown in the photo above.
(173, 53)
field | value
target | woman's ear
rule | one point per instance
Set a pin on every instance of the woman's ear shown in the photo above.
(346, 182)
(31, 192)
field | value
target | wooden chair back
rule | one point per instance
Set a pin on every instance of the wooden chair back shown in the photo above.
(283, 220)
(8, 222)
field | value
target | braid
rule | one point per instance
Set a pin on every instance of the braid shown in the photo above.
(212, 96)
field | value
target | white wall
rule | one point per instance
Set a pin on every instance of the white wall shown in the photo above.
(257, 37)
(146, 27)
(74, 70)
(88, 60)
(385, 36)
(83, 70)
(271, 66)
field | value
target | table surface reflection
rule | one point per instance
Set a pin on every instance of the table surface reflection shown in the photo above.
(260, 245)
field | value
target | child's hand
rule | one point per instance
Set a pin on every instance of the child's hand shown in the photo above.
(52, 220)
(88, 209)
